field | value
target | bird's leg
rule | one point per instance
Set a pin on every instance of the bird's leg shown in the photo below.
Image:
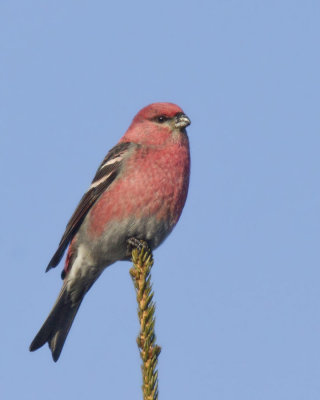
(134, 243)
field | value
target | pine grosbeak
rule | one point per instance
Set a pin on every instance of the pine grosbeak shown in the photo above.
(138, 193)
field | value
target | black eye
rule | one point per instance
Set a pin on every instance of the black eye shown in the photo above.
(161, 119)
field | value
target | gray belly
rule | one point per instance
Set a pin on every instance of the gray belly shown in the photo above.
(112, 245)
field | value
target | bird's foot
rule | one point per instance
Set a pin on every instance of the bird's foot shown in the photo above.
(134, 243)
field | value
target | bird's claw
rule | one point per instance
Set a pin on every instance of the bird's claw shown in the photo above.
(134, 243)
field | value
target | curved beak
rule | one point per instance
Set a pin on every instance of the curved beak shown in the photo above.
(181, 121)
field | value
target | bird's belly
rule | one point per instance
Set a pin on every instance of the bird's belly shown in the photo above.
(112, 244)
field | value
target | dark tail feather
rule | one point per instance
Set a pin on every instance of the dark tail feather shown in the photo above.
(56, 327)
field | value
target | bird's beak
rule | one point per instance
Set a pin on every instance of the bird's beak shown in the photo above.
(181, 121)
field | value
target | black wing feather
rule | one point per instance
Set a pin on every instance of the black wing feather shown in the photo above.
(89, 198)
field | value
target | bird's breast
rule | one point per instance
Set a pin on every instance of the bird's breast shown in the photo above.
(153, 185)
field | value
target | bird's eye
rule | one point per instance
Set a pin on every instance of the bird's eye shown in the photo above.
(161, 119)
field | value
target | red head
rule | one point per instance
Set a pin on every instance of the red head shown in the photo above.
(157, 124)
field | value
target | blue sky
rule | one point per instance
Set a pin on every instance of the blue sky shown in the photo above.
(237, 282)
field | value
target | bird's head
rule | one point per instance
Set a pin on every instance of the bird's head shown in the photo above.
(157, 124)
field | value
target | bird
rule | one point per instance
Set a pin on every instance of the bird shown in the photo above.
(136, 196)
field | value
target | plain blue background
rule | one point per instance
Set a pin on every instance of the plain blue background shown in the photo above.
(237, 282)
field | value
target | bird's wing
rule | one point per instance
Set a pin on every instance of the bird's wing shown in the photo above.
(105, 175)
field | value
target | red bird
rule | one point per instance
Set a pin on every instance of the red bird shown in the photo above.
(138, 193)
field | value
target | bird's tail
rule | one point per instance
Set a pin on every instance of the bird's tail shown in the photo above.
(56, 327)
